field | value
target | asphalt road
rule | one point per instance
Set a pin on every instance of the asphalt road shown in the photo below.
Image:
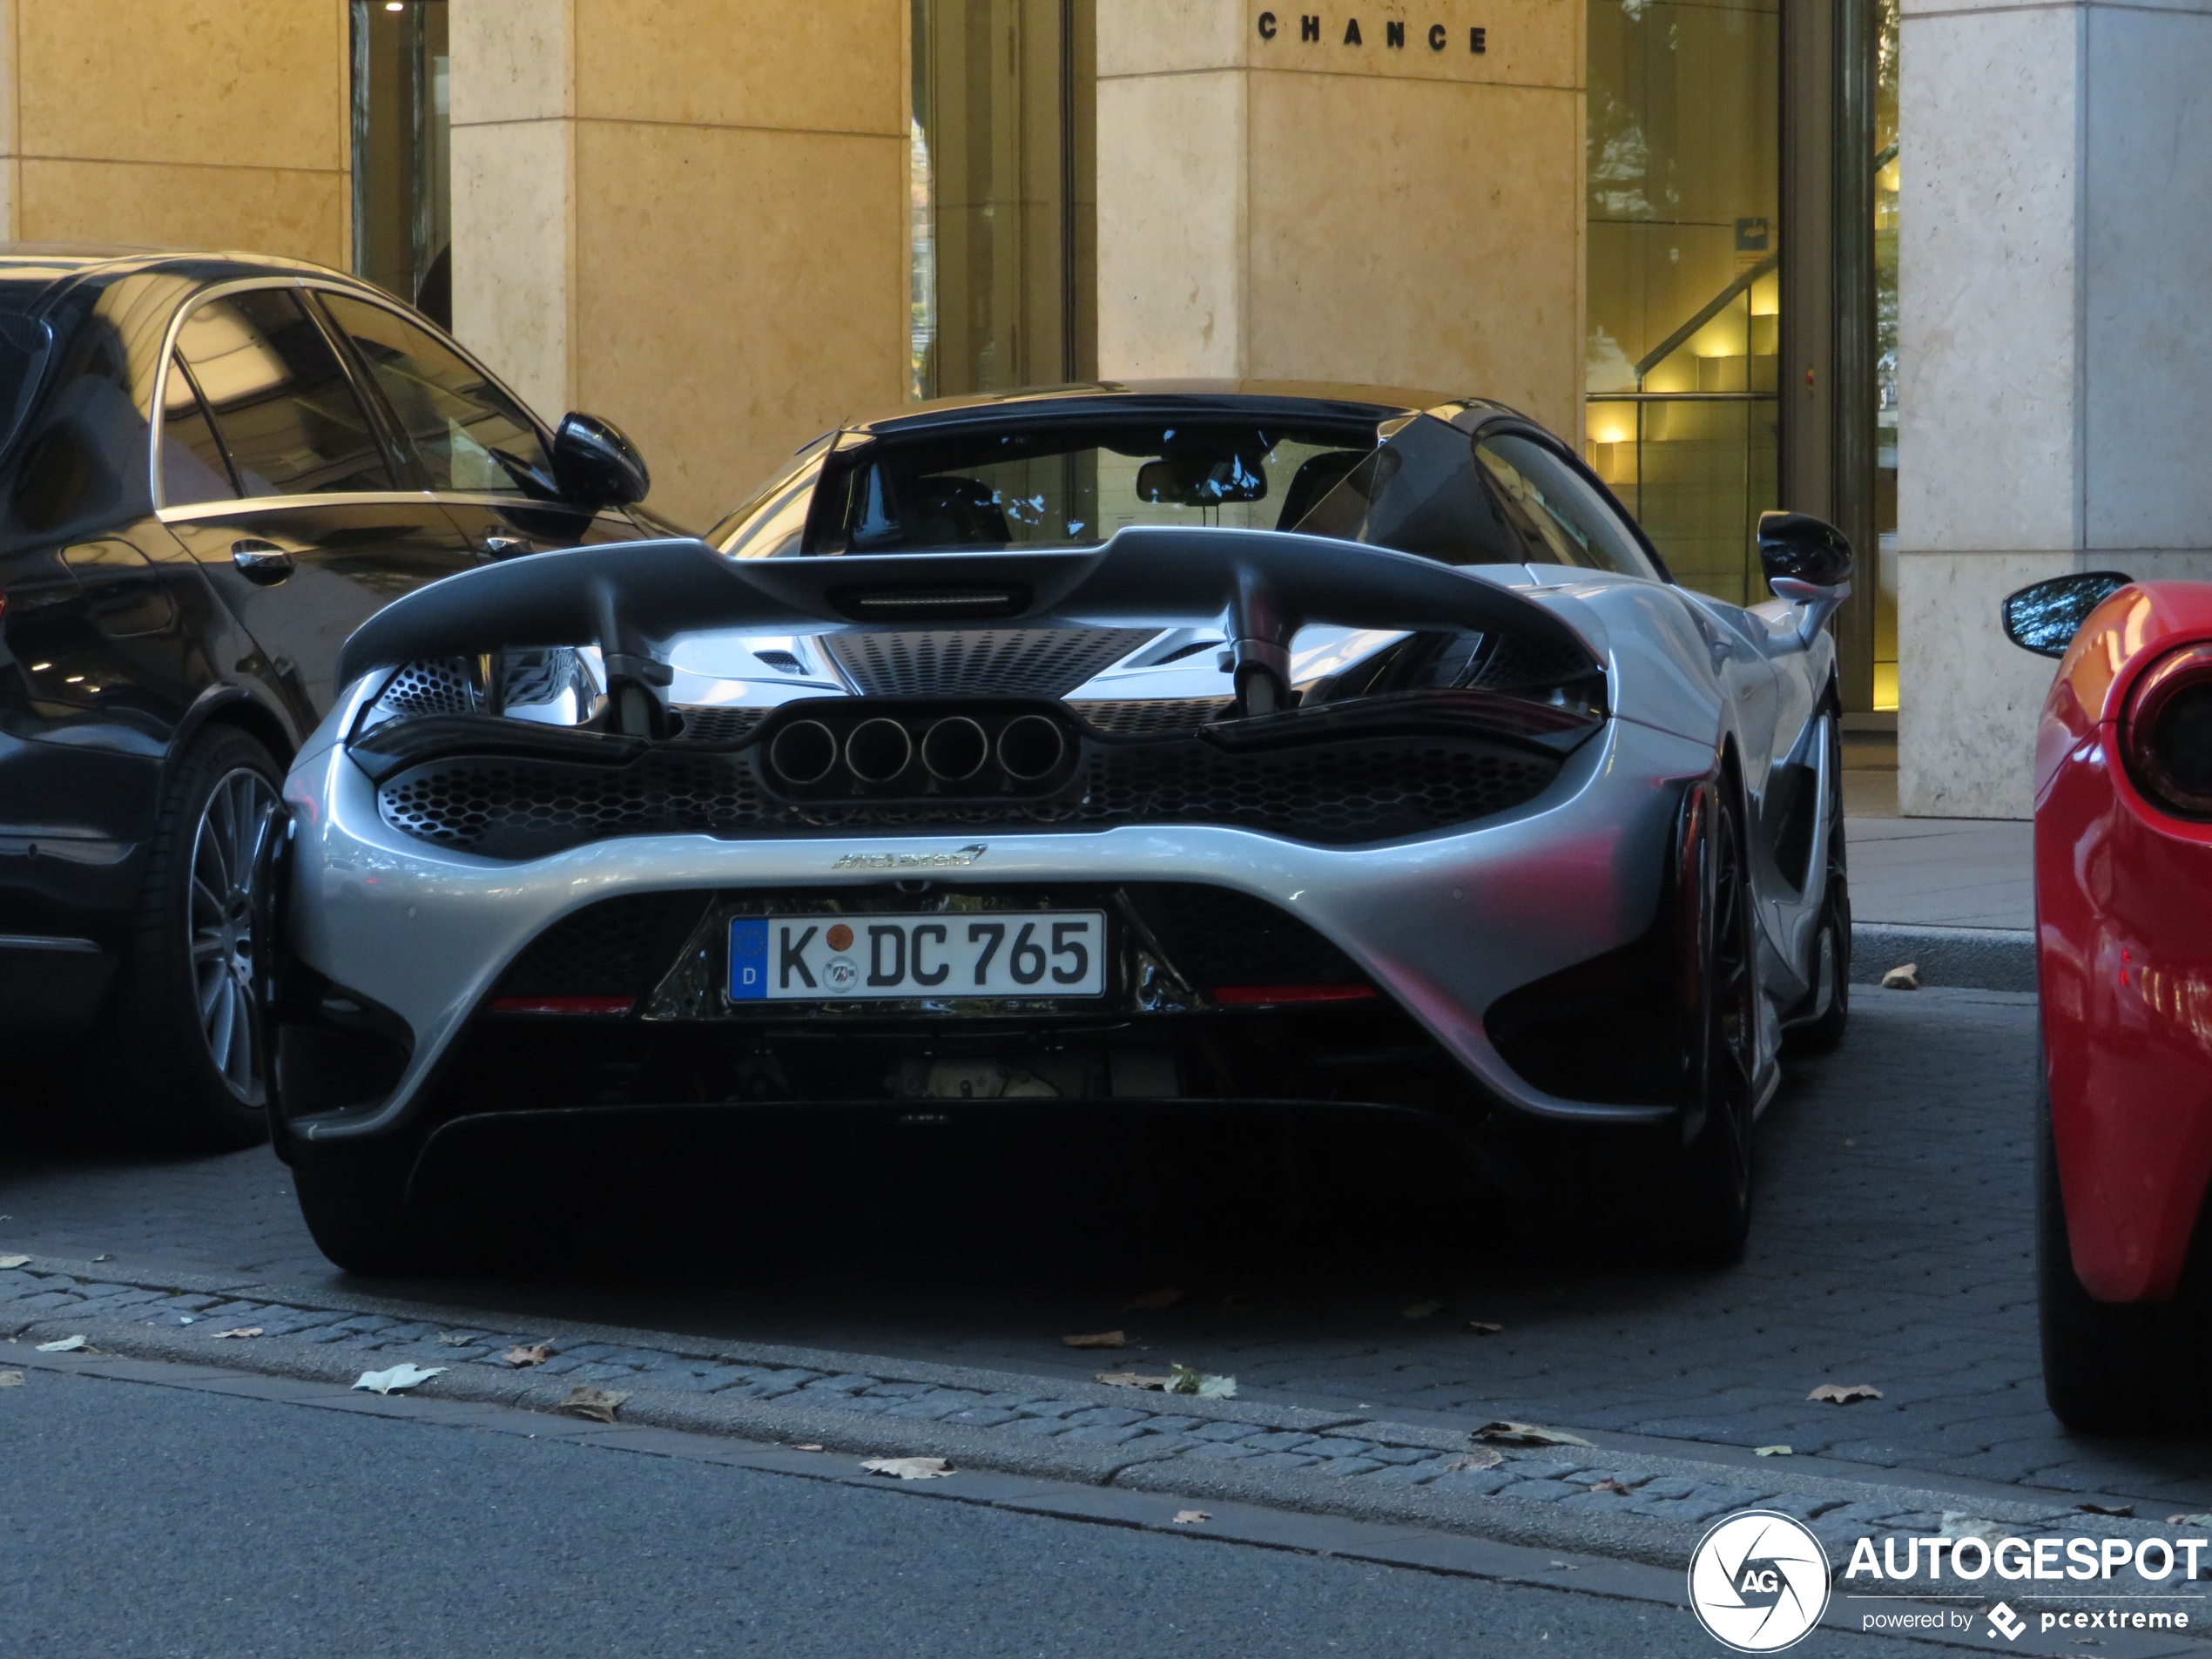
(1893, 1246)
(149, 1520)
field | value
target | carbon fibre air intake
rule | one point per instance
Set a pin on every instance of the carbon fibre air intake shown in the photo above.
(1259, 587)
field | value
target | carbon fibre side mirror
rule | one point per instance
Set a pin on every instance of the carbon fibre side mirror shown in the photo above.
(2044, 616)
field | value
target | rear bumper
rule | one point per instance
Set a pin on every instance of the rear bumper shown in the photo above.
(1443, 924)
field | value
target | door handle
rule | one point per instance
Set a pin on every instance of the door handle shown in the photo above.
(262, 563)
(500, 546)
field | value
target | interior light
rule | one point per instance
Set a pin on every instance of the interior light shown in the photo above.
(395, 5)
(40, 668)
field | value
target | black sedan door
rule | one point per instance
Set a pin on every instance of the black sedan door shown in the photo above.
(302, 520)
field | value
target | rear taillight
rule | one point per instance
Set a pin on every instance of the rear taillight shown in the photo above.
(2166, 734)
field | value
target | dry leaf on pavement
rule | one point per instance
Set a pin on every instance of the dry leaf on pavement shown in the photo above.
(1421, 1310)
(2177, 1520)
(1845, 1393)
(1905, 977)
(402, 1376)
(1474, 1462)
(1620, 1488)
(1133, 1379)
(520, 1357)
(1154, 1301)
(599, 1403)
(65, 1344)
(241, 1330)
(1773, 1451)
(1482, 1327)
(1098, 1339)
(908, 1469)
(2124, 1511)
(457, 1339)
(1189, 1380)
(14, 1261)
(1503, 1432)
(1192, 1517)
(11, 1380)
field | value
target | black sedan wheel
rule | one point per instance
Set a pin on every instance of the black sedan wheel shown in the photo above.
(1719, 1012)
(187, 1055)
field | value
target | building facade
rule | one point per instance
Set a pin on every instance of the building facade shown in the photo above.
(1917, 266)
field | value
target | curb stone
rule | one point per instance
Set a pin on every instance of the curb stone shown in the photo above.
(1986, 959)
(1252, 1451)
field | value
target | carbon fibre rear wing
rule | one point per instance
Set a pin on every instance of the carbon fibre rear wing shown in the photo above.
(1259, 586)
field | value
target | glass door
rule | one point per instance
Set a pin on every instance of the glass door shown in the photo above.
(402, 152)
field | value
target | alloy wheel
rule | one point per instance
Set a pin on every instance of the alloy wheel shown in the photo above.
(228, 863)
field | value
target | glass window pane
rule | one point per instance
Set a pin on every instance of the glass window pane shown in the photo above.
(193, 467)
(468, 433)
(286, 411)
(1568, 521)
(402, 152)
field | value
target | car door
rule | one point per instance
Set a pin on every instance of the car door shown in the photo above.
(481, 453)
(283, 487)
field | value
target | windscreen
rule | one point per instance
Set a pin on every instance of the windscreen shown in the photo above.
(1075, 486)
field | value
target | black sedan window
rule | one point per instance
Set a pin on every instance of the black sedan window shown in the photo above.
(285, 409)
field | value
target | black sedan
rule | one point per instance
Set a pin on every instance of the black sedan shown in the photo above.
(213, 470)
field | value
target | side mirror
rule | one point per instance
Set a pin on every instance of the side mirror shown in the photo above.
(596, 466)
(1798, 548)
(2044, 616)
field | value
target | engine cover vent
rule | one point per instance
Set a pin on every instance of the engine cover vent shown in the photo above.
(981, 661)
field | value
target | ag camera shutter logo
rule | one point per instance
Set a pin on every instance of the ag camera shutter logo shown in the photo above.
(1758, 1581)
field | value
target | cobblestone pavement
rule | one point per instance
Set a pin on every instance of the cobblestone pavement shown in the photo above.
(1892, 1247)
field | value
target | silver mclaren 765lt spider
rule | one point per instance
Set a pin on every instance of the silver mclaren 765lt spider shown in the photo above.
(1123, 749)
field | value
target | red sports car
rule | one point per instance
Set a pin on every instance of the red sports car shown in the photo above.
(2123, 893)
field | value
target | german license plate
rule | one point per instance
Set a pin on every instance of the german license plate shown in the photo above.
(909, 958)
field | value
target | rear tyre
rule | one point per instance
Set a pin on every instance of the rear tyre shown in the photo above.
(186, 1055)
(356, 1206)
(2113, 1368)
(1832, 961)
(1712, 1200)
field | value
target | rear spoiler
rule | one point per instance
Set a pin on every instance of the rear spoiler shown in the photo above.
(631, 599)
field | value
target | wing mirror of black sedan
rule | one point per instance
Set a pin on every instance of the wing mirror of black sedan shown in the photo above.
(1808, 561)
(2044, 616)
(595, 465)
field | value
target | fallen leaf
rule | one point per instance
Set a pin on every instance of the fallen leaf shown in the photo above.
(1192, 1517)
(909, 1468)
(2190, 1520)
(1504, 1433)
(1773, 1451)
(1905, 977)
(457, 1339)
(241, 1330)
(2126, 1511)
(520, 1357)
(1619, 1488)
(1482, 1327)
(188, 1318)
(1098, 1339)
(1154, 1301)
(65, 1344)
(104, 1257)
(809, 1447)
(402, 1376)
(13, 1261)
(1958, 1524)
(1845, 1393)
(1133, 1379)
(1186, 1379)
(1420, 1310)
(11, 1380)
(598, 1404)
(1474, 1461)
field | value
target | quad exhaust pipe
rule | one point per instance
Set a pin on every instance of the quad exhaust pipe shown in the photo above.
(880, 751)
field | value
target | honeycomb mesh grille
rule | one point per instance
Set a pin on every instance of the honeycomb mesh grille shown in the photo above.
(719, 726)
(1217, 937)
(1517, 659)
(615, 947)
(1330, 794)
(445, 686)
(981, 661)
(1137, 717)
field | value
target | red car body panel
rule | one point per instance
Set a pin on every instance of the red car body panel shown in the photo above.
(2124, 890)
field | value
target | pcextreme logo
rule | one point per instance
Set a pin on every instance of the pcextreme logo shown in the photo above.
(1758, 1581)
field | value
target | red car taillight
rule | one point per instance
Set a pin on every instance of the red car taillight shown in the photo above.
(2167, 732)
